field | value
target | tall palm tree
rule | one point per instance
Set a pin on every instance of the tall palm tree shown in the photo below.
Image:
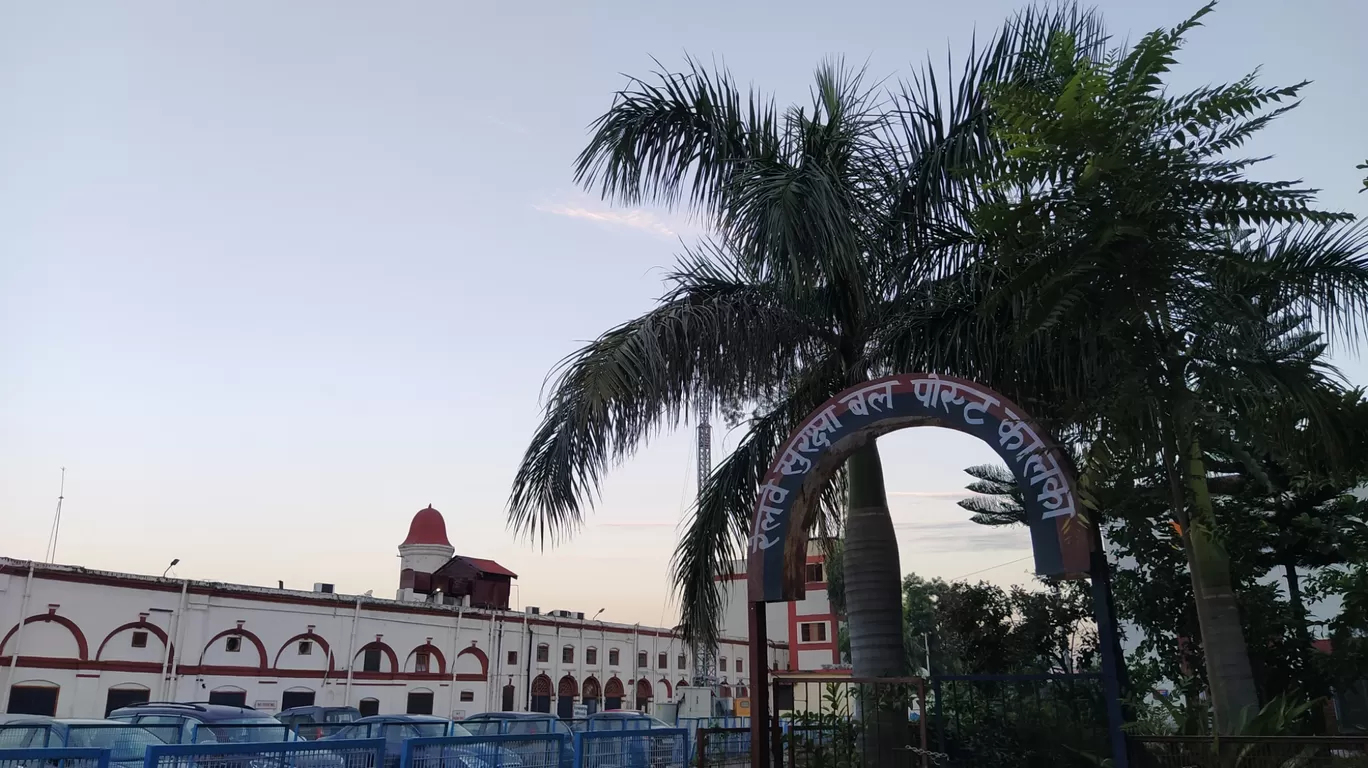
(826, 222)
(1123, 220)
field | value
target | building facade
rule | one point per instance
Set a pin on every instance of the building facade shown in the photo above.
(80, 642)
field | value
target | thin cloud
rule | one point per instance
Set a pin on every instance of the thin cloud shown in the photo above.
(635, 219)
(635, 525)
(507, 126)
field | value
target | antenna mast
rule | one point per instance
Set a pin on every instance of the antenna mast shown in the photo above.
(704, 671)
(50, 554)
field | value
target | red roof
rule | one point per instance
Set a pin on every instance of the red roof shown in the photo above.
(427, 527)
(488, 566)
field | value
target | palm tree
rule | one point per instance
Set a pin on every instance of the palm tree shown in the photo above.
(1123, 224)
(823, 220)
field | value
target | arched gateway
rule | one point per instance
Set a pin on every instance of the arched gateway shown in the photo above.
(1062, 539)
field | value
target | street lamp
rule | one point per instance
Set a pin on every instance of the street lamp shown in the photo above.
(173, 564)
(596, 615)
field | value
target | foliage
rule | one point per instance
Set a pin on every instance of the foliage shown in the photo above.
(984, 629)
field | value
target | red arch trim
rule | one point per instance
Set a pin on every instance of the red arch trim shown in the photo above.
(479, 654)
(432, 653)
(389, 652)
(541, 685)
(82, 647)
(614, 689)
(567, 686)
(669, 689)
(256, 641)
(153, 628)
(592, 689)
(316, 638)
(644, 689)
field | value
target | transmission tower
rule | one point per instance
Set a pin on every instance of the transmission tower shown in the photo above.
(705, 666)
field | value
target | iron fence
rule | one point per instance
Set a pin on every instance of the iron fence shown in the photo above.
(652, 748)
(1249, 752)
(54, 758)
(239, 733)
(824, 721)
(721, 748)
(351, 753)
(1018, 721)
(127, 743)
(316, 731)
(26, 736)
(548, 750)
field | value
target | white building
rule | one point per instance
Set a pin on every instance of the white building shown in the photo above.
(79, 642)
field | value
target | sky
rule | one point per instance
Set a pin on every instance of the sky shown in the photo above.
(274, 276)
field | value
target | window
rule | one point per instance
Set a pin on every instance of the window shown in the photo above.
(420, 661)
(512, 658)
(612, 657)
(590, 655)
(683, 662)
(419, 703)
(814, 573)
(233, 643)
(543, 653)
(641, 660)
(467, 695)
(305, 647)
(738, 665)
(813, 633)
(722, 664)
(139, 639)
(369, 708)
(370, 660)
(568, 654)
(662, 661)
(292, 699)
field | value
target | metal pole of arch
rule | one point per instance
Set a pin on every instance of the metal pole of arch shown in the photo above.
(1109, 642)
(760, 688)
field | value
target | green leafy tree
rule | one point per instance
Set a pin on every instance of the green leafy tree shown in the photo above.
(816, 212)
(1124, 223)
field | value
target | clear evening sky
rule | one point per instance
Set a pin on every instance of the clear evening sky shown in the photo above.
(273, 276)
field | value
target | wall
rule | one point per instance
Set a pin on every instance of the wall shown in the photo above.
(80, 625)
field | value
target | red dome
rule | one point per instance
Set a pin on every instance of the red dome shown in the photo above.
(427, 527)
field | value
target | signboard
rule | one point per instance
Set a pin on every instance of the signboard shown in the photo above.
(581, 711)
(264, 705)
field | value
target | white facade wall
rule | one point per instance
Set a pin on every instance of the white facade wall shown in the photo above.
(80, 624)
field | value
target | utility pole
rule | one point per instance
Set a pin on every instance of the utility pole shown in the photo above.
(703, 663)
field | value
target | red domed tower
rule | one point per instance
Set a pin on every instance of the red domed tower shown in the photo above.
(424, 550)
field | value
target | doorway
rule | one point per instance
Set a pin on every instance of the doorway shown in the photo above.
(33, 700)
(231, 698)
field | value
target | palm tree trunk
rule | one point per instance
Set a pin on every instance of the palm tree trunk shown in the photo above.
(1227, 657)
(872, 571)
(874, 609)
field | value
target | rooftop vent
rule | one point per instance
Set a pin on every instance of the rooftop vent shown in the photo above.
(326, 589)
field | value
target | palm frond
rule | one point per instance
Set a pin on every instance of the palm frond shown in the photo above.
(716, 337)
(714, 540)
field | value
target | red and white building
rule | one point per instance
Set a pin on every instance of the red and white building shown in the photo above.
(76, 642)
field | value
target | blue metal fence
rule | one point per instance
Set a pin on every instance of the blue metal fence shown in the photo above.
(546, 750)
(239, 733)
(54, 758)
(127, 743)
(653, 748)
(26, 736)
(350, 753)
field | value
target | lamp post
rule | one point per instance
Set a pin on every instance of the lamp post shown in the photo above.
(174, 563)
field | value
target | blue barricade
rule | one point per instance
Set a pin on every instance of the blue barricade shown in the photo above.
(26, 736)
(543, 750)
(239, 733)
(649, 748)
(54, 758)
(349, 753)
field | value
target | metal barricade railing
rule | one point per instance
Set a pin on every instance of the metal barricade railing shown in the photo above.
(1249, 751)
(548, 750)
(239, 733)
(721, 748)
(650, 748)
(54, 758)
(127, 743)
(694, 724)
(26, 736)
(351, 753)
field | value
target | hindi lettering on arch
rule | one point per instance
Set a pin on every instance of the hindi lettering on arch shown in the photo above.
(1013, 434)
(760, 542)
(772, 494)
(770, 517)
(814, 435)
(878, 397)
(794, 463)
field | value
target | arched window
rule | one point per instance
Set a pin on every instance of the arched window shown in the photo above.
(662, 661)
(722, 664)
(590, 656)
(612, 657)
(738, 664)
(568, 654)
(543, 653)
(683, 662)
(641, 660)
